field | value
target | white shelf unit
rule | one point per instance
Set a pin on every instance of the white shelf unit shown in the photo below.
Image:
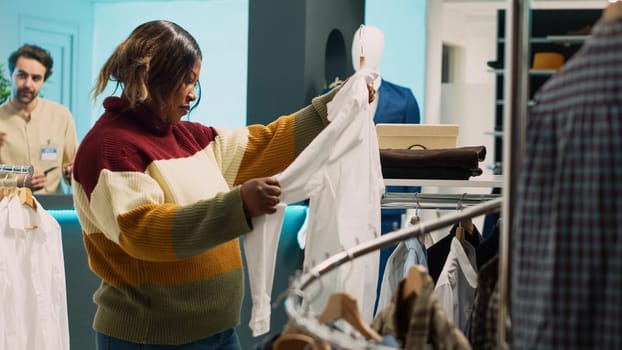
(482, 181)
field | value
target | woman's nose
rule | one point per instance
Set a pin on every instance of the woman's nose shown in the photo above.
(192, 96)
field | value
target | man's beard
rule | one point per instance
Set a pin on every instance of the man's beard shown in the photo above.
(25, 96)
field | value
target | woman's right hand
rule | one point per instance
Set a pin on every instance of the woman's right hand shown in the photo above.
(260, 196)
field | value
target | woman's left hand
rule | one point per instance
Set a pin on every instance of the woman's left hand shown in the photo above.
(372, 92)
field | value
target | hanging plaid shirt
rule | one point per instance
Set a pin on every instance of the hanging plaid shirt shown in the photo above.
(566, 285)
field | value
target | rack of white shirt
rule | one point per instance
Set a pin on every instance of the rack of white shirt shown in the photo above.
(32, 272)
(308, 323)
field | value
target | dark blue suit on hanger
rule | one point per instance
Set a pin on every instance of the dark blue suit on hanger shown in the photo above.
(396, 104)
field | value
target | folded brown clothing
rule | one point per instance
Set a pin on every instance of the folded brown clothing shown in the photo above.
(437, 173)
(467, 157)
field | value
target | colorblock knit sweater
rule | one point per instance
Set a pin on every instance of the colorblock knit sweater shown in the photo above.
(161, 211)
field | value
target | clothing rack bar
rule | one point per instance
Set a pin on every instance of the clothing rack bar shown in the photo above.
(406, 200)
(297, 286)
(425, 206)
(515, 113)
(17, 169)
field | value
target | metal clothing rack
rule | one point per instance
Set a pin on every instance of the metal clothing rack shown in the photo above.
(406, 200)
(516, 93)
(515, 113)
(308, 323)
(16, 169)
(7, 170)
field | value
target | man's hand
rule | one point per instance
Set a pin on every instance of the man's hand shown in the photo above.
(67, 173)
(34, 182)
(260, 196)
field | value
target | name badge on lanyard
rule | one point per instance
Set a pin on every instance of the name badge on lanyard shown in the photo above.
(49, 152)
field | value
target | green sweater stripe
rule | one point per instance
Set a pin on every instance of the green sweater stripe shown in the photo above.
(134, 317)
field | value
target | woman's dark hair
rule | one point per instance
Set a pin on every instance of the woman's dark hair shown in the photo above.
(154, 60)
(33, 52)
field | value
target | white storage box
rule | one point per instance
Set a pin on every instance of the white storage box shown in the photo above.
(417, 136)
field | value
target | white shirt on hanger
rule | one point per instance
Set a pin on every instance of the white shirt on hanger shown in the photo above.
(457, 282)
(408, 253)
(33, 315)
(339, 172)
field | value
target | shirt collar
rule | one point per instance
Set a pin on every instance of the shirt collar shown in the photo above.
(461, 253)
(16, 111)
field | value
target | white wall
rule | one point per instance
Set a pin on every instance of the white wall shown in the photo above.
(221, 29)
(470, 100)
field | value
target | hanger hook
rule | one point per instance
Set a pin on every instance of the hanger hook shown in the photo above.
(13, 181)
(5, 179)
(418, 207)
(460, 206)
(350, 261)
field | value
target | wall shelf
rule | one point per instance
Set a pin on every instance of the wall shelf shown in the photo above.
(551, 30)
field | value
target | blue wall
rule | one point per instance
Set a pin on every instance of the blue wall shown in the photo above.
(403, 23)
(221, 29)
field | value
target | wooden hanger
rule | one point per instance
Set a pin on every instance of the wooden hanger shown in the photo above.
(24, 194)
(292, 338)
(25, 197)
(293, 341)
(414, 281)
(362, 54)
(467, 226)
(344, 306)
(460, 234)
(4, 192)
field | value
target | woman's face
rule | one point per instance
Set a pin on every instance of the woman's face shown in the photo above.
(178, 103)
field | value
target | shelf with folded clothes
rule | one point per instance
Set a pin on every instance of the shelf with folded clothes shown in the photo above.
(459, 163)
(440, 193)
